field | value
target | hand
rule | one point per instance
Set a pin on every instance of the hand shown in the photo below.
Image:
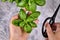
(16, 33)
(51, 35)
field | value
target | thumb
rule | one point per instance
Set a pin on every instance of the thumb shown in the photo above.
(14, 29)
(49, 31)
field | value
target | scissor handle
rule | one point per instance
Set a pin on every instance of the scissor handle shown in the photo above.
(51, 22)
(44, 31)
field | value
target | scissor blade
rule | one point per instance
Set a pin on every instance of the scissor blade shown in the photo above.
(54, 16)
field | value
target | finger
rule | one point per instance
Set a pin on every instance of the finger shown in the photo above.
(54, 27)
(49, 31)
(14, 29)
(58, 26)
(36, 21)
(14, 17)
(46, 39)
(25, 34)
(13, 26)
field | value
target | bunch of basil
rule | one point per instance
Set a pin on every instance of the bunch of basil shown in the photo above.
(30, 5)
(24, 21)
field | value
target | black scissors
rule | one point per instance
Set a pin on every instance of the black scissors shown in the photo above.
(51, 22)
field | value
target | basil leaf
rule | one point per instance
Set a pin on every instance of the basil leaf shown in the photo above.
(11, 1)
(27, 28)
(17, 1)
(21, 3)
(35, 15)
(32, 5)
(3, 0)
(29, 19)
(27, 7)
(22, 14)
(21, 24)
(27, 1)
(16, 22)
(33, 24)
(40, 2)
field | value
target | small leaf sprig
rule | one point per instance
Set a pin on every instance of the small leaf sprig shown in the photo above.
(25, 21)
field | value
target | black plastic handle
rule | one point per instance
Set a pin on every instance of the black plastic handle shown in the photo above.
(44, 31)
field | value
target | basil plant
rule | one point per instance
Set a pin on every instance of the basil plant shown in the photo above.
(25, 21)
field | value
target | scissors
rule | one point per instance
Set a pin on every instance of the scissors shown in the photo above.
(51, 22)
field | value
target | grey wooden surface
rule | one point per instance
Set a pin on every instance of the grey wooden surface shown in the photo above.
(7, 10)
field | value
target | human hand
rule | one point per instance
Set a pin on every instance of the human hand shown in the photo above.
(51, 35)
(16, 33)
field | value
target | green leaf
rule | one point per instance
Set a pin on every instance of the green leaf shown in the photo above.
(21, 3)
(33, 24)
(3, 0)
(27, 1)
(21, 24)
(17, 1)
(27, 7)
(22, 14)
(40, 2)
(32, 5)
(16, 22)
(29, 19)
(27, 28)
(11, 1)
(35, 15)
